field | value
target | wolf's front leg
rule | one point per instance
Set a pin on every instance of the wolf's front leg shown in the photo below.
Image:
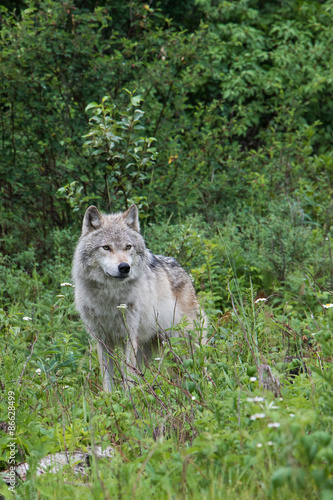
(106, 364)
(131, 352)
(131, 321)
(131, 325)
(132, 360)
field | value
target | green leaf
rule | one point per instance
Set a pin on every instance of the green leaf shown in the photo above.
(91, 105)
(135, 101)
(281, 476)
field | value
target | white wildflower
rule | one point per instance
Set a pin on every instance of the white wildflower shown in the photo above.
(327, 306)
(38, 371)
(274, 425)
(193, 398)
(67, 284)
(122, 306)
(257, 415)
(27, 318)
(253, 379)
(157, 359)
(292, 415)
(270, 443)
(259, 445)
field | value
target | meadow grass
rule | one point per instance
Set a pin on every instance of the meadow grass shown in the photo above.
(197, 424)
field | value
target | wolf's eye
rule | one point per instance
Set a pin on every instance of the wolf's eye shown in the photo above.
(128, 247)
(106, 247)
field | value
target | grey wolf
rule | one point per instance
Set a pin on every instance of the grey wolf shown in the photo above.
(125, 294)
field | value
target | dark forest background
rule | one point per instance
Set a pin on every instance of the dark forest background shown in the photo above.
(238, 96)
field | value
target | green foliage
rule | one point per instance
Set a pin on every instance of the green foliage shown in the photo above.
(196, 423)
(238, 97)
(239, 104)
(115, 137)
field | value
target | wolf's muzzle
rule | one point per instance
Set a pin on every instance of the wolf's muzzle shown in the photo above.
(124, 268)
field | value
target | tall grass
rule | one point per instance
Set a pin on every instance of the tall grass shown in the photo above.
(196, 424)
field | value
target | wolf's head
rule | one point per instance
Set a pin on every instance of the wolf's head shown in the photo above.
(111, 246)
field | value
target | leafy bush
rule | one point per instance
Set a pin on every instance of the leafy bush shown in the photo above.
(239, 104)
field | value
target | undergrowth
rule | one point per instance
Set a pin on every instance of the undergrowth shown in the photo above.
(198, 423)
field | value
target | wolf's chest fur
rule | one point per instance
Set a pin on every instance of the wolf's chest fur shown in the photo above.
(110, 312)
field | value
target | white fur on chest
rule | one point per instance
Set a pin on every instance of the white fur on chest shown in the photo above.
(150, 306)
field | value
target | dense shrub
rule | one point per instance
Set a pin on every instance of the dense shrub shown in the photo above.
(234, 94)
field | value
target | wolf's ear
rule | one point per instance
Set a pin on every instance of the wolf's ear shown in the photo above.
(92, 220)
(131, 217)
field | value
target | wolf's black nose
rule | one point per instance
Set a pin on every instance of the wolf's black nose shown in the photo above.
(124, 268)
